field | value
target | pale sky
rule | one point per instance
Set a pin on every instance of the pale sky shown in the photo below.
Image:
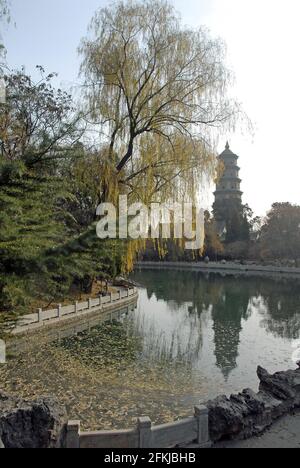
(263, 39)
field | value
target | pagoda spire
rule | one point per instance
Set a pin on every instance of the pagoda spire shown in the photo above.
(227, 145)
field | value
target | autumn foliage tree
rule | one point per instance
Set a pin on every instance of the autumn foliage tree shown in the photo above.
(280, 234)
(213, 246)
(155, 93)
(37, 122)
(157, 90)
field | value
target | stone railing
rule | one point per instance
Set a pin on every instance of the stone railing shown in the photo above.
(60, 313)
(43, 423)
(68, 328)
(225, 267)
(241, 416)
(179, 433)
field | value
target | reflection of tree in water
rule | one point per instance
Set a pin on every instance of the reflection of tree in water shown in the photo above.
(226, 298)
(230, 299)
(281, 307)
(178, 287)
(179, 345)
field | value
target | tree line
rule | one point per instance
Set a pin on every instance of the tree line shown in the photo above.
(153, 94)
(154, 98)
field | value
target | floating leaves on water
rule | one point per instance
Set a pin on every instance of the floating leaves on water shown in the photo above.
(101, 376)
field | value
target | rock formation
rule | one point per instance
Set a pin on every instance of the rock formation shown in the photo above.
(248, 413)
(25, 424)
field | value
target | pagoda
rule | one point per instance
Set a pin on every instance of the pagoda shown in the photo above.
(228, 195)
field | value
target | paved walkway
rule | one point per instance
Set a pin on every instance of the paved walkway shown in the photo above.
(285, 433)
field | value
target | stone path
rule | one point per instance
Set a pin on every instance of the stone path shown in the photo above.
(285, 433)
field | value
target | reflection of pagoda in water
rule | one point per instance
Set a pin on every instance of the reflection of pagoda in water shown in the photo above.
(227, 340)
(228, 298)
(227, 316)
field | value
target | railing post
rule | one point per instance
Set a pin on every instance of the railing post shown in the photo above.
(73, 435)
(40, 315)
(145, 432)
(110, 294)
(201, 413)
(59, 311)
(76, 307)
(100, 300)
(90, 303)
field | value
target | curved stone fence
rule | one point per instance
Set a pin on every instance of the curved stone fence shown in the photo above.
(78, 323)
(62, 313)
(145, 435)
(239, 417)
(43, 423)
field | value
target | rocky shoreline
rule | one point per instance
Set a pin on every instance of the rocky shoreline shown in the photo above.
(249, 414)
(42, 423)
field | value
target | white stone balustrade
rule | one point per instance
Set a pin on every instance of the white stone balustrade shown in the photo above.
(145, 435)
(46, 317)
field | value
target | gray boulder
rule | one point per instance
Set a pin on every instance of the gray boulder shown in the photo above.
(26, 424)
(248, 413)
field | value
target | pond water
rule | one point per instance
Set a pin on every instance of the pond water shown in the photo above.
(192, 337)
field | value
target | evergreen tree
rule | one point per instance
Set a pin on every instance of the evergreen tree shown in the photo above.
(31, 223)
(48, 237)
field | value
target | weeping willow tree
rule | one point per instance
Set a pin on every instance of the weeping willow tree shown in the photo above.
(158, 94)
(157, 91)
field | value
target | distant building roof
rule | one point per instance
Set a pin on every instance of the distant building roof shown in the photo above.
(228, 152)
